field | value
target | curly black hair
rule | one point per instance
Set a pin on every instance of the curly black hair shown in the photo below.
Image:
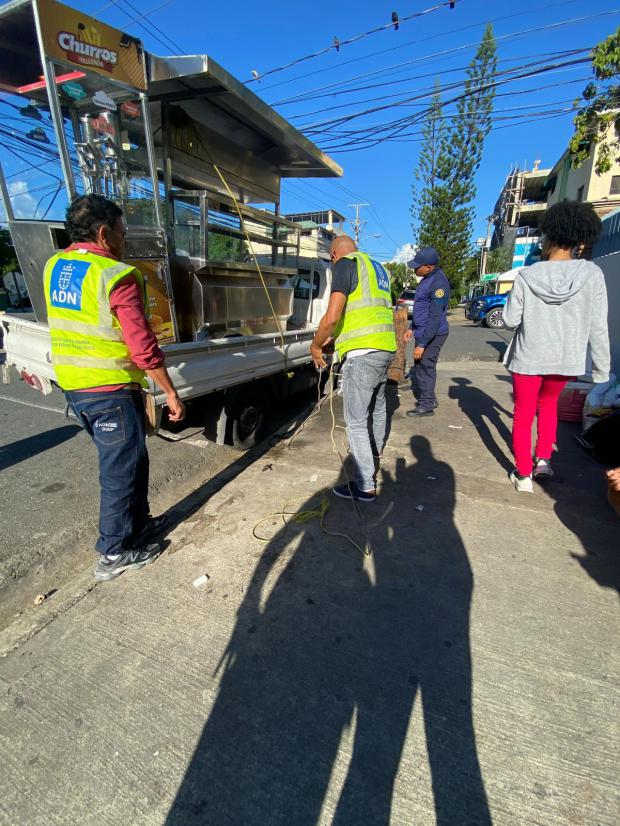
(86, 213)
(571, 223)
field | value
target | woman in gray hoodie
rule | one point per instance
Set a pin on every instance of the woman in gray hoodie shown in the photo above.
(557, 308)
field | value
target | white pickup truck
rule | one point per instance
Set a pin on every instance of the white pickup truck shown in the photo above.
(240, 378)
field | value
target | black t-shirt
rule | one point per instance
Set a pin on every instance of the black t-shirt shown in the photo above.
(344, 276)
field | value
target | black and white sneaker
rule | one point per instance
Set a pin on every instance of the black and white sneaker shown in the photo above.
(108, 568)
(542, 469)
(352, 491)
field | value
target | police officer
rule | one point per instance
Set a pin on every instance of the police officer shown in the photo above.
(360, 319)
(429, 326)
(102, 348)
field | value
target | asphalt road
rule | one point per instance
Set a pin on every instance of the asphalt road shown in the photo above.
(48, 478)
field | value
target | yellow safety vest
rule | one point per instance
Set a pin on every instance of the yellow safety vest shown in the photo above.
(88, 348)
(368, 318)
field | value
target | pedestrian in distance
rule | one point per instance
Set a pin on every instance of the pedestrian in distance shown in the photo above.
(360, 319)
(557, 307)
(429, 327)
(102, 350)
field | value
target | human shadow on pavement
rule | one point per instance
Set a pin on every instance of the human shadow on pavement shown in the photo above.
(327, 657)
(500, 346)
(482, 410)
(579, 493)
(19, 451)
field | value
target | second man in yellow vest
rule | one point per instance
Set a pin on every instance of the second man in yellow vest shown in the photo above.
(360, 319)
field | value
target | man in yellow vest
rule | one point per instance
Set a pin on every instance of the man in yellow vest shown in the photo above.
(102, 349)
(360, 318)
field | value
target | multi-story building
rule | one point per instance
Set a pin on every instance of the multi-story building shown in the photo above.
(518, 212)
(527, 194)
(318, 230)
(584, 183)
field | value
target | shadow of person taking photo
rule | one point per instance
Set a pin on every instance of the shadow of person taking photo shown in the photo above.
(483, 410)
(328, 655)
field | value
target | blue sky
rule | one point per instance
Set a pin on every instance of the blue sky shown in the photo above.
(243, 36)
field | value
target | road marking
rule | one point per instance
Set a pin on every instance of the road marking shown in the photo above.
(32, 404)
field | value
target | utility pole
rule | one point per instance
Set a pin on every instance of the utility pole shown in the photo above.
(358, 225)
(484, 254)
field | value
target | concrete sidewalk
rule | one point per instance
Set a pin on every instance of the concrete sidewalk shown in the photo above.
(465, 673)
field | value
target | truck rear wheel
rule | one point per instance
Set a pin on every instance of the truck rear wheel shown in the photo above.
(246, 419)
(495, 318)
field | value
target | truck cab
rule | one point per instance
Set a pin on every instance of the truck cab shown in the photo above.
(487, 299)
(487, 309)
(311, 290)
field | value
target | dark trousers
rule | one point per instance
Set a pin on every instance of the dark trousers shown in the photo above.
(115, 421)
(424, 374)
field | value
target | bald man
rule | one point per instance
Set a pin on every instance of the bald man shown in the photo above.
(360, 319)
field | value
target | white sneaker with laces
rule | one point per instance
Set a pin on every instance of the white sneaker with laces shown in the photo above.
(542, 469)
(522, 483)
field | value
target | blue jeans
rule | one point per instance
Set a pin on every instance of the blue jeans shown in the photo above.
(363, 390)
(115, 421)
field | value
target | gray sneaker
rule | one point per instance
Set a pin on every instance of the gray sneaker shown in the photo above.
(132, 559)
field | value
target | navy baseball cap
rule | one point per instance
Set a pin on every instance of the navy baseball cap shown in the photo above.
(425, 255)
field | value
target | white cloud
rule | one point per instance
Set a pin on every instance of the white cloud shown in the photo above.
(403, 254)
(23, 203)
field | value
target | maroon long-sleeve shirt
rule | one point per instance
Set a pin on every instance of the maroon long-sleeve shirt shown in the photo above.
(127, 304)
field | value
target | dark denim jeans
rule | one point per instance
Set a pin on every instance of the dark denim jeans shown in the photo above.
(424, 374)
(115, 422)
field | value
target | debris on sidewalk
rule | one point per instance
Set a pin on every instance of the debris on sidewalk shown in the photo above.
(201, 581)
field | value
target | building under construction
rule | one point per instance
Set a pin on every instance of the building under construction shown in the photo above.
(518, 212)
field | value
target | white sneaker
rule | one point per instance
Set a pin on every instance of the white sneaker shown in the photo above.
(522, 483)
(542, 469)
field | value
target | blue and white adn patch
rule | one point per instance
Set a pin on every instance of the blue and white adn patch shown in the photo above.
(66, 283)
(383, 279)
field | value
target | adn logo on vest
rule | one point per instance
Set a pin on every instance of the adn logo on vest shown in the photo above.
(66, 284)
(383, 279)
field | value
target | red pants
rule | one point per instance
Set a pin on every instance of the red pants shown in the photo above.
(535, 396)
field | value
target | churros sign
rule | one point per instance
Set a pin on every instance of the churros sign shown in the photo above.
(87, 52)
(77, 39)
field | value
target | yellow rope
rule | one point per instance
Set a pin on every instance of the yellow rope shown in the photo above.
(260, 272)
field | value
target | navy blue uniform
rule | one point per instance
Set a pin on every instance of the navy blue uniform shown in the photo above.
(430, 330)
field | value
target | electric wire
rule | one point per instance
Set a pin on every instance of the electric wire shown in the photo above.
(338, 44)
(431, 88)
(500, 79)
(521, 14)
(386, 70)
(143, 22)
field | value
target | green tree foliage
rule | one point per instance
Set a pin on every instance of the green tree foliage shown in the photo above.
(8, 259)
(600, 110)
(471, 270)
(398, 278)
(451, 154)
(499, 260)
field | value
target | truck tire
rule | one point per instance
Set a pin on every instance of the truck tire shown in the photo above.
(494, 319)
(246, 419)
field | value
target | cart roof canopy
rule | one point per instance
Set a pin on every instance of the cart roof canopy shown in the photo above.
(197, 81)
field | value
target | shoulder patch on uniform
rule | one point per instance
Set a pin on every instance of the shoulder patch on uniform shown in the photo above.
(439, 293)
